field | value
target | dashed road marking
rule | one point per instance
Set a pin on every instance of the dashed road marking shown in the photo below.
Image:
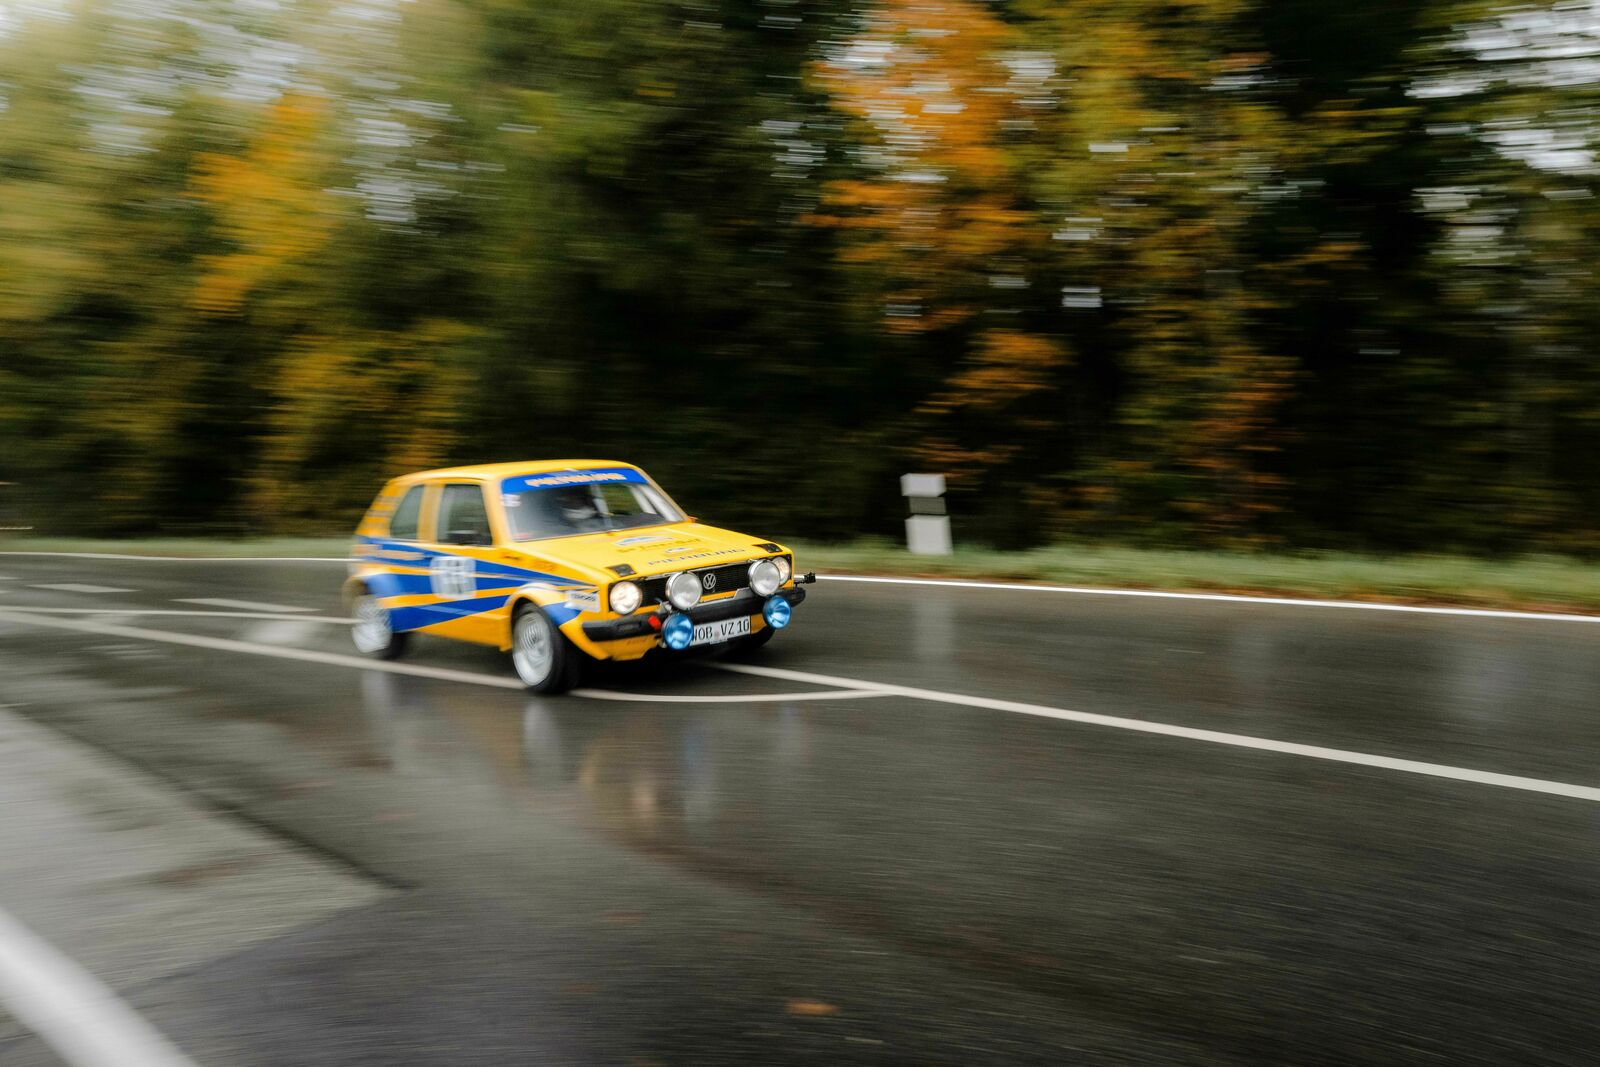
(71, 1010)
(78, 587)
(241, 605)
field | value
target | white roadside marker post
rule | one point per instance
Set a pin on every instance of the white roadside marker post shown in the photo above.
(928, 526)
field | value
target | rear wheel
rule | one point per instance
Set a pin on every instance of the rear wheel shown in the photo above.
(374, 632)
(545, 661)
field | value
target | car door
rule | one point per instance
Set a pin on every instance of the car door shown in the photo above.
(466, 585)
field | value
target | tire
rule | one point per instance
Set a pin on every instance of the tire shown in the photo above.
(544, 660)
(374, 635)
(749, 647)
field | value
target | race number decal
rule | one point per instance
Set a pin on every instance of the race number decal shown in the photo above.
(451, 577)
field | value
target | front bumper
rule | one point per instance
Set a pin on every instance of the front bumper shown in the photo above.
(745, 603)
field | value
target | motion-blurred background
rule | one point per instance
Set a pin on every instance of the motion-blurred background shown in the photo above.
(1305, 273)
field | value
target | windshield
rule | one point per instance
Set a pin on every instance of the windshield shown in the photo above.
(564, 503)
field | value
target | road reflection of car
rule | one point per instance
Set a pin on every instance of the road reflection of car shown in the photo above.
(559, 562)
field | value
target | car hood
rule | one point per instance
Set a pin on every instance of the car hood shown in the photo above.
(652, 550)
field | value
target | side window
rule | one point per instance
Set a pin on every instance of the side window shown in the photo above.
(403, 524)
(463, 518)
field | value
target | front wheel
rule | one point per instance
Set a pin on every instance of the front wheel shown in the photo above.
(374, 632)
(544, 660)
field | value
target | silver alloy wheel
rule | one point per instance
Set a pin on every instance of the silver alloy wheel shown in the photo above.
(372, 631)
(532, 652)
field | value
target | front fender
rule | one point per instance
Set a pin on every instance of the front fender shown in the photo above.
(554, 604)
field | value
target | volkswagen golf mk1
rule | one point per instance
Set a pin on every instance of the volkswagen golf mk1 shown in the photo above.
(559, 562)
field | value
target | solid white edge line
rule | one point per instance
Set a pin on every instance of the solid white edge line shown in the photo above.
(223, 644)
(1215, 737)
(183, 559)
(1289, 748)
(186, 614)
(71, 1010)
(959, 583)
(335, 659)
(1231, 598)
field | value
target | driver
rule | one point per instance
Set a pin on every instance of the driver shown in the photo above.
(575, 505)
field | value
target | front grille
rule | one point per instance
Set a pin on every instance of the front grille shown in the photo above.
(731, 578)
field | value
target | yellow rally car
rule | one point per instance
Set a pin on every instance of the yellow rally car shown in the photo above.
(556, 561)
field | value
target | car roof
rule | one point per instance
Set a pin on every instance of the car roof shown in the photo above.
(508, 470)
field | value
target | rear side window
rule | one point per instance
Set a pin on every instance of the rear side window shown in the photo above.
(463, 518)
(403, 524)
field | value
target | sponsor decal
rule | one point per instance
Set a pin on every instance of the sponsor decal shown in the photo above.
(584, 599)
(451, 577)
(642, 539)
(698, 555)
(511, 500)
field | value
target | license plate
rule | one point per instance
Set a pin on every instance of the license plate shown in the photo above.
(714, 633)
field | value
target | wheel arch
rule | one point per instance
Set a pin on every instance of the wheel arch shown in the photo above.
(539, 596)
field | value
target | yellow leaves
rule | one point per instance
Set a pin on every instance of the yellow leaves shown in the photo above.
(269, 204)
(406, 390)
(929, 81)
(1004, 365)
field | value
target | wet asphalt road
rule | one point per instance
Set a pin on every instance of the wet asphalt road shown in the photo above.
(732, 879)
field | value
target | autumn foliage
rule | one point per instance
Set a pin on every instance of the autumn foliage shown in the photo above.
(1214, 271)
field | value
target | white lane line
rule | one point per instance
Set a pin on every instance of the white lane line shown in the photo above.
(78, 587)
(1188, 733)
(955, 583)
(190, 614)
(241, 605)
(183, 559)
(1230, 598)
(736, 698)
(71, 1010)
(223, 644)
(1263, 744)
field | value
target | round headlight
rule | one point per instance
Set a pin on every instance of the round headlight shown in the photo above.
(683, 589)
(784, 570)
(765, 577)
(625, 597)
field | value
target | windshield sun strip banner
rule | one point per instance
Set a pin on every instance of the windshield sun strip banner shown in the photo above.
(554, 479)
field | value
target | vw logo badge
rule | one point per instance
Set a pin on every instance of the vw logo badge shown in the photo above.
(709, 581)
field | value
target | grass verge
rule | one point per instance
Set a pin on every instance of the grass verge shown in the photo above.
(1539, 583)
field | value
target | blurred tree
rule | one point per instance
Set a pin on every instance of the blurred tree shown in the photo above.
(1218, 270)
(1159, 159)
(938, 226)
